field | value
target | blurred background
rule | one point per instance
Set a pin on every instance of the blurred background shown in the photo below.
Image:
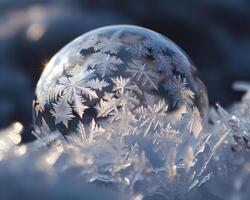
(214, 33)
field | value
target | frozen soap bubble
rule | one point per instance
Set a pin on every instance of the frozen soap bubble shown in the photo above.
(120, 75)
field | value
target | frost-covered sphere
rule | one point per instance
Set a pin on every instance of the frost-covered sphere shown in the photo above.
(111, 74)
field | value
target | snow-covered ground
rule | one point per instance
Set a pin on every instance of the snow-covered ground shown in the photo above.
(53, 167)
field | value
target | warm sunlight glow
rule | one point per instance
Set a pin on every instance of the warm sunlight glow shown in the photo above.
(35, 32)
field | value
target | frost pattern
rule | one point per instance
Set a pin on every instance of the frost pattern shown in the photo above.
(141, 73)
(104, 156)
(129, 135)
(104, 64)
(124, 112)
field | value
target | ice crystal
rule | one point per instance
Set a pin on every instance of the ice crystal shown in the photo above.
(142, 74)
(104, 64)
(169, 162)
(122, 106)
(111, 45)
(107, 74)
(131, 109)
(62, 112)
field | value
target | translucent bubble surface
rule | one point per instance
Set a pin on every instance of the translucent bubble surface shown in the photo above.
(112, 74)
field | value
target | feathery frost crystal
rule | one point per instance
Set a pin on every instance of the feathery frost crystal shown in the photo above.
(122, 75)
(131, 110)
(123, 106)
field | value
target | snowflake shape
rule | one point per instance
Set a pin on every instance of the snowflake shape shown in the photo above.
(163, 63)
(62, 112)
(142, 74)
(109, 45)
(138, 49)
(152, 116)
(104, 64)
(178, 90)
